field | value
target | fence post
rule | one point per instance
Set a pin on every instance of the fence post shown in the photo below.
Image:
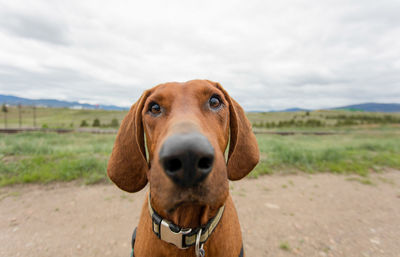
(34, 116)
(19, 115)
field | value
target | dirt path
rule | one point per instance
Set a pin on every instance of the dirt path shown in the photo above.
(318, 215)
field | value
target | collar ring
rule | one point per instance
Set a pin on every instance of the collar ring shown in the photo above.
(199, 247)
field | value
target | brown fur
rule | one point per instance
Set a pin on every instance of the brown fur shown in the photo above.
(184, 109)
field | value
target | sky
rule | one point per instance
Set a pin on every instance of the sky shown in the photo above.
(269, 55)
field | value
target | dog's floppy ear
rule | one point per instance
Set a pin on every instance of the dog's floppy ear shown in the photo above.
(127, 166)
(243, 148)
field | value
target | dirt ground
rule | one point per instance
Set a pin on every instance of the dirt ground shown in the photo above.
(292, 215)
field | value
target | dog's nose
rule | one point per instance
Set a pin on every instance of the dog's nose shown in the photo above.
(187, 158)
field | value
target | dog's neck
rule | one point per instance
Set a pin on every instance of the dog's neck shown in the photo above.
(190, 215)
(187, 215)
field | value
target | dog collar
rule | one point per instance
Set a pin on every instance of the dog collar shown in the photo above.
(183, 237)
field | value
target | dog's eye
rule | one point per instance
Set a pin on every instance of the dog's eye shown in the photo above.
(155, 108)
(215, 102)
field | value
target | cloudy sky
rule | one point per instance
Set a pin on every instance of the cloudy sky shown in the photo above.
(267, 54)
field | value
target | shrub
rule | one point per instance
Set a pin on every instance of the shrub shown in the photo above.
(4, 108)
(84, 123)
(96, 123)
(114, 123)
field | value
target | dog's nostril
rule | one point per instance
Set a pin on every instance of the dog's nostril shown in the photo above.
(205, 163)
(173, 165)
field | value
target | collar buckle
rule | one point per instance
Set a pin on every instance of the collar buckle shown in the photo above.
(169, 236)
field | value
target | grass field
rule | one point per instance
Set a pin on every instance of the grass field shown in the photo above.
(44, 157)
(57, 117)
(359, 152)
(315, 120)
(321, 120)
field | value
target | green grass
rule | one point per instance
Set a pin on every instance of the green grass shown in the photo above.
(321, 120)
(365, 181)
(358, 153)
(70, 118)
(45, 157)
(58, 117)
(284, 246)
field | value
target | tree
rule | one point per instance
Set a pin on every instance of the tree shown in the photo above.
(84, 123)
(5, 110)
(114, 123)
(96, 123)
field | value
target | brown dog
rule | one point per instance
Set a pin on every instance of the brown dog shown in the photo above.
(186, 128)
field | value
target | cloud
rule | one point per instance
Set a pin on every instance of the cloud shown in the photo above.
(268, 55)
(31, 27)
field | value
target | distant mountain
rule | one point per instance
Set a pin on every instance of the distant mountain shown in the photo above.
(295, 110)
(14, 100)
(370, 107)
(366, 107)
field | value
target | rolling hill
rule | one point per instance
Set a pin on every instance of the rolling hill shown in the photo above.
(365, 107)
(14, 100)
(371, 107)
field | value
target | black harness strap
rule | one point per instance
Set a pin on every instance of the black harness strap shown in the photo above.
(134, 239)
(241, 252)
(133, 242)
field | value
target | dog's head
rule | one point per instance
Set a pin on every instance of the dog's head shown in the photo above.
(186, 127)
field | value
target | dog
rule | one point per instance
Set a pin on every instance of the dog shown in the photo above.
(174, 138)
